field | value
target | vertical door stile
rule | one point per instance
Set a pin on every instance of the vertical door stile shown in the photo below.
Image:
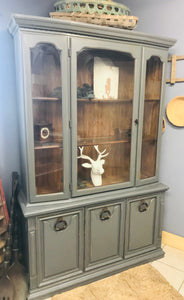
(73, 112)
(136, 107)
(141, 113)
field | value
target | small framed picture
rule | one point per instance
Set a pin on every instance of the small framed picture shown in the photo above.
(105, 79)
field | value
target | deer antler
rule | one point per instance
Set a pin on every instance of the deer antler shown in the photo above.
(84, 156)
(101, 154)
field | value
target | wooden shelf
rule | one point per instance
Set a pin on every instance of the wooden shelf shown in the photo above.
(146, 175)
(110, 101)
(149, 139)
(41, 172)
(105, 181)
(45, 98)
(152, 100)
(53, 145)
(101, 141)
(49, 190)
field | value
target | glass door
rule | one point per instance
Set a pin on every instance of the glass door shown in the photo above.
(151, 110)
(48, 115)
(104, 97)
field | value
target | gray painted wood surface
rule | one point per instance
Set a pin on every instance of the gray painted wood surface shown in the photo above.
(60, 253)
(104, 238)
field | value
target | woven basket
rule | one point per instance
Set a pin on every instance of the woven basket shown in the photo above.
(126, 22)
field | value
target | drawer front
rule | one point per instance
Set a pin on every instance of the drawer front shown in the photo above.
(104, 234)
(60, 245)
(141, 225)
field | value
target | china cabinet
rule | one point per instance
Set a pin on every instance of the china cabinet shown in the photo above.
(90, 102)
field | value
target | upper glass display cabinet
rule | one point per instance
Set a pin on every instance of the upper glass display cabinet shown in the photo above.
(93, 121)
(106, 107)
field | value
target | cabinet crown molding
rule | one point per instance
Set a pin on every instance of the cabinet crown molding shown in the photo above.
(71, 27)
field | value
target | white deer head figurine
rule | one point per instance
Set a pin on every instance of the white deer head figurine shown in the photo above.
(95, 165)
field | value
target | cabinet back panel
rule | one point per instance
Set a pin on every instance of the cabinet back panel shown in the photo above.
(103, 119)
(123, 61)
(49, 171)
(49, 112)
(116, 167)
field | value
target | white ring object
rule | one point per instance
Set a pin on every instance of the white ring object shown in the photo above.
(45, 133)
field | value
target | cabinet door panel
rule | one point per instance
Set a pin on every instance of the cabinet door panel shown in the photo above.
(103, 234)
(151, 110)
(60, 250)
(141, 225)
(46, 87)
(105, 88)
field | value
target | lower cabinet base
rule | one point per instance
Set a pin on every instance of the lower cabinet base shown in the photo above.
(93, 275)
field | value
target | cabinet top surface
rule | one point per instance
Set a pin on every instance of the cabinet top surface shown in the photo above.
(84, 29)
(33, 209)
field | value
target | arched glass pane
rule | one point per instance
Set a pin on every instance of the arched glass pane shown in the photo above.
(105, 87)
(151, 117)
(47, 118)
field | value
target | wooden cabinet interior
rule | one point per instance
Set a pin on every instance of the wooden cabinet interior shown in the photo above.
(117, 165)
(106, 122)
(47, 118)
(46, 70)
(124, 61)
(49, 170)
(151, 116)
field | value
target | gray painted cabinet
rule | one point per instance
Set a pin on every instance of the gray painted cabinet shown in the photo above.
(142, 225)
(104, 234)
(90, 102)
(60, 248)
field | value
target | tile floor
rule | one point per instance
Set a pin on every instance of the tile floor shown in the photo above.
(171, 266)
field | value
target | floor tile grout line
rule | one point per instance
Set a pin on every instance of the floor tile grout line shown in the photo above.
(174, 248)
(163, 246)
(170, 266)
(181, 286)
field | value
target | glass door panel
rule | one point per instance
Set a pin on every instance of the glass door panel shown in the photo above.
(105, 91)
(47, 118)
(151, 117)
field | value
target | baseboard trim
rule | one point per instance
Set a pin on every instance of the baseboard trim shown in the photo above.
(173, 240)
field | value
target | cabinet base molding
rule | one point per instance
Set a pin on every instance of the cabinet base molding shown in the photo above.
(173, 240)
(91, 276)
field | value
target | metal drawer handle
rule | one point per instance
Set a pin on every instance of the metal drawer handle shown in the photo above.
(105, 215)
(60, 224)
(143, 207)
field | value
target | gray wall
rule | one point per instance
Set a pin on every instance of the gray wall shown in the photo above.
(155, 17)
(9, 151)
